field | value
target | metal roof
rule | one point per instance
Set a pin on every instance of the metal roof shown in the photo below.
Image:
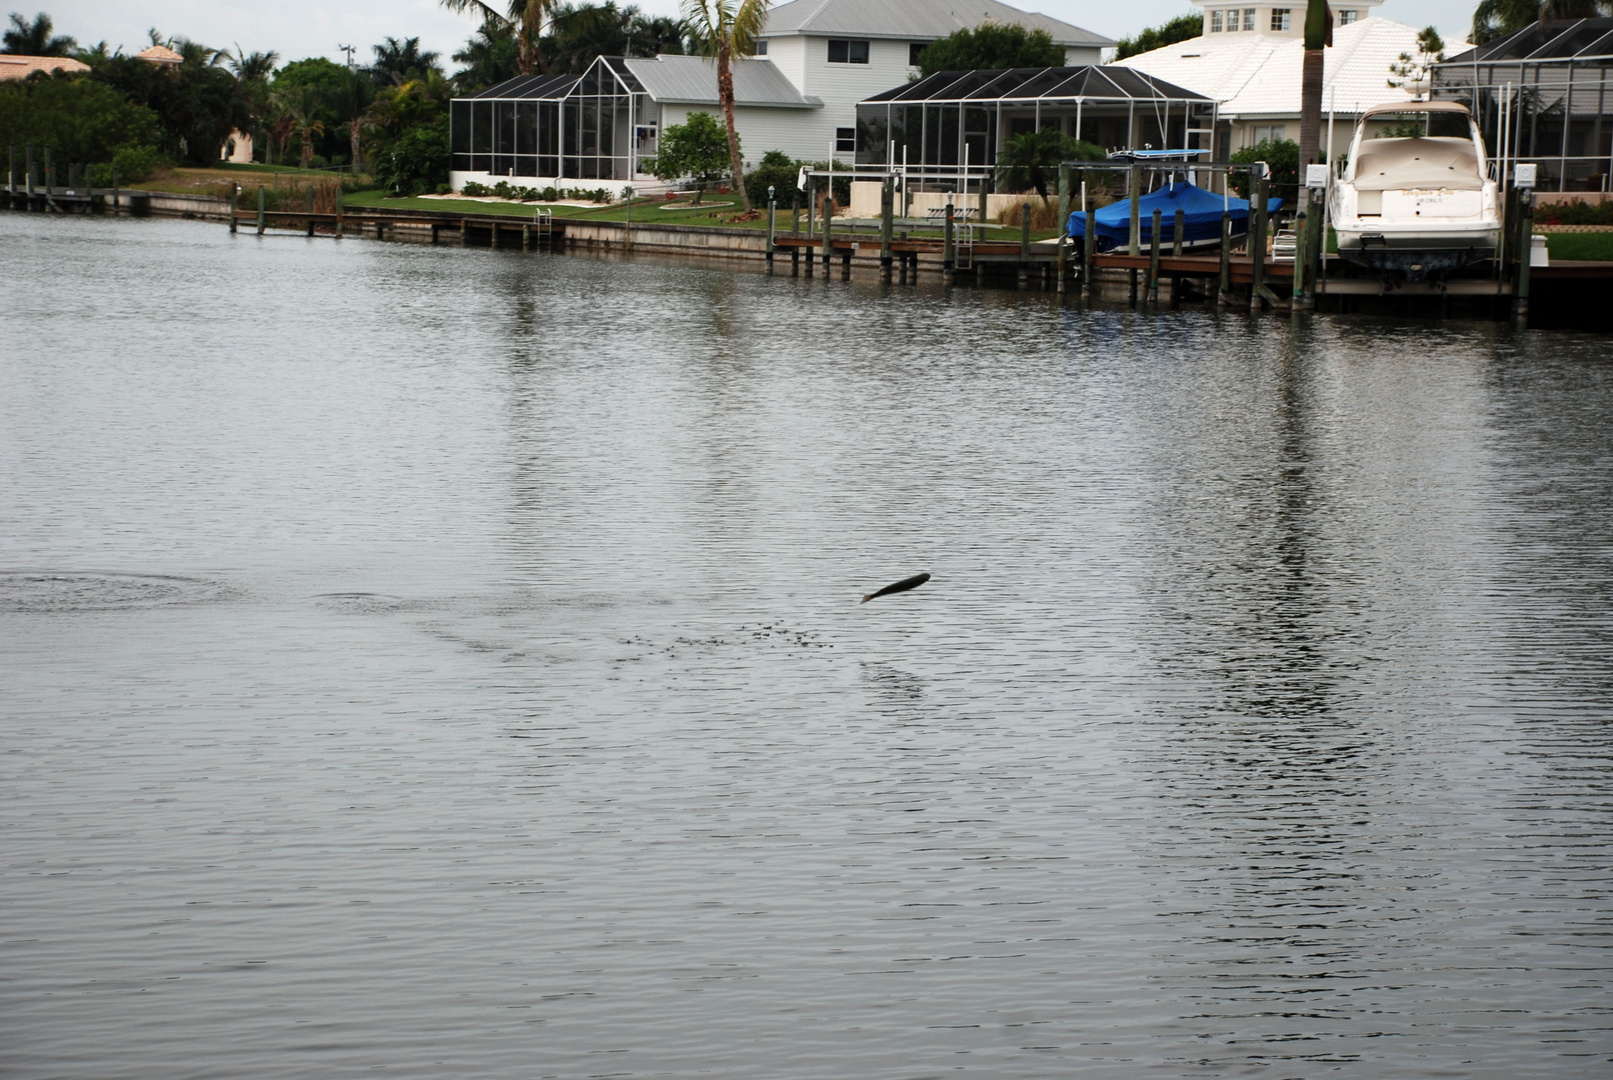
(682, 80)
(692, 80)
(1567, 39)
(912, 20)
(1030, 84)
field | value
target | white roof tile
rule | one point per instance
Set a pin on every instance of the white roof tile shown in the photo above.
(692, 80)
(1255, 75)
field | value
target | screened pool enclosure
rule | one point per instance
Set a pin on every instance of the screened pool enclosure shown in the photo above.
(1542, 95)
(950, 126)
(595, 126)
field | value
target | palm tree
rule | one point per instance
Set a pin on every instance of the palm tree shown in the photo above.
(1318, 35)
(489, 57)
(1032, 160)
(36, 39)
(252, 67)
(299, 116)
(396, 62)
(524, 17)
(726, 27)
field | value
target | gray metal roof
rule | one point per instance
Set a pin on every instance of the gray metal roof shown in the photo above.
(1108, 83)
(912, 20)
(1564, 39)
(692, 80)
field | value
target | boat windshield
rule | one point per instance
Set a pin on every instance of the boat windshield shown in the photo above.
(1422, 125)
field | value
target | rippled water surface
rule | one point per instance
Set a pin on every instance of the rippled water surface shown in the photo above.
(448, 663)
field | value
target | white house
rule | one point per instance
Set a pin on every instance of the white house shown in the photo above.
(1249, 59)
(816, 59)
(846, 51)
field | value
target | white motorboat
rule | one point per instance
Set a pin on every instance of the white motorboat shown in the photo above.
(1416, 198)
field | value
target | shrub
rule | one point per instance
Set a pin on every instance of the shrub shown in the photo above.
(417, 161)
(80, 119)
(134, 164)
(1577, 212)
(1282, 155)
(475, 190)
(777, 170)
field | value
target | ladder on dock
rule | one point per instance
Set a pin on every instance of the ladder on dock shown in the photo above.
(543, 225)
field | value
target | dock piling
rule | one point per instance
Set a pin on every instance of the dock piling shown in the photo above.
(1089, 243)
(235, 197)
(947, 250)
(1223, 293)
(260, 200)
(1153, 257)
(1064, 226)
(887, 211)
(772, 218)
(1024, 242)
(1258, 293)
(310, 211)
(1526, 247)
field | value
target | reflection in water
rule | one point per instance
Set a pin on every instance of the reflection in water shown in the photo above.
(471, 677)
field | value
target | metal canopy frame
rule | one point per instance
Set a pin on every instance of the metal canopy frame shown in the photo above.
(1542, 95)
(593, 126)
(947, 129)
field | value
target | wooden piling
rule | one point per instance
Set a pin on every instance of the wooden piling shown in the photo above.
(772, 215)
(260, 209)
(1224, 286)
(235, 197)
(526, 238)
(1258, 293)
(1153, 258)
(341, 207)
(948, 262)
(1526, 247)
(1301, 238)
(1064, 225)
(795, 261)
(310, 211)
(1024, 242)
(887, 210)
(828, 228)
(1089, 244)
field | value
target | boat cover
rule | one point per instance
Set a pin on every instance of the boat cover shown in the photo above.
(1202, 216)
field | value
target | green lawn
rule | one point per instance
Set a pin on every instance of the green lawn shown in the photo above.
(1594, 247)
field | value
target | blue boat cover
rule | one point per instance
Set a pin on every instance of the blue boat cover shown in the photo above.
(1202, 216)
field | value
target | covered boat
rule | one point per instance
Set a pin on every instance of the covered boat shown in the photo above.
(1202, 217)
(1416, 197)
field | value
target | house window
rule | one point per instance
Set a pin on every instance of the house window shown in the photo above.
(846, 139)
(1348, 17)
(1215, 21)
(848, 52)
(1259, 133)
(761, 47)
(1248, 18)
(1280, 18)
(914, 51)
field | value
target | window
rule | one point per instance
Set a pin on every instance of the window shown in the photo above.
(1215, 21)
(1248, 18)
(848, 52)
(846, 139)
(1348, 17)
(1259, 133)
(761, 47)
(914, 51)
(1280, 18)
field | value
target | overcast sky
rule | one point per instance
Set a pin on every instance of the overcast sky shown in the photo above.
(298, 28)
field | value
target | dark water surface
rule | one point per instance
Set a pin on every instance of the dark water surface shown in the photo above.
(448, 663)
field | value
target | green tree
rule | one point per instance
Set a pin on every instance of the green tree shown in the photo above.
(525, 19)
(198, 101)
(36, 38)
(1497, 18)
(340, 97)
(300, 106)
(1412, 71)
(490, 57)
(581, 33)
(1181, 28)
(778, 170)
(1031, 161)
(1280, 155)
(991, 46)
(81, 120)
(697, 147)
(417, 162)
(727, 28)
(397, 62)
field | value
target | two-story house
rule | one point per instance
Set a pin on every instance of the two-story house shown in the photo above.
(841, 52)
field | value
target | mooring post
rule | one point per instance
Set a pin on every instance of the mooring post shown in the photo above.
(50, 180)
(1136, 194)
(1153, 257)
(946, 243)
(1223, 293)
(1178, 239)
(795, 261)
(795, 214)
(828, 228)
(1257, 243)
(310, 210)
(11, 175)
(260, 209)
(1063, 223)
(1024, 242)
(1089, 244)
(1301, 221)
(772, 215)
(235, 197)
(887, 225)
(341, 209)
(115, 196)
(464, 232)
(1526, 249)
(526, 238)
(980, 213)
(845, 264)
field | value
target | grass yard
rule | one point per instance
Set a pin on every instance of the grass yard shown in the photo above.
(1591, 247)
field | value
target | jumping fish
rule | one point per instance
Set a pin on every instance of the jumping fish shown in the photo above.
(901, 586)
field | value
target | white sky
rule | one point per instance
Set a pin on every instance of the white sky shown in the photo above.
(299, 28)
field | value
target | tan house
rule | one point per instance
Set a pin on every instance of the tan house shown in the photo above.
(13, 67)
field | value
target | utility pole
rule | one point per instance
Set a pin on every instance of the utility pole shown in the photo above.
(349, 50)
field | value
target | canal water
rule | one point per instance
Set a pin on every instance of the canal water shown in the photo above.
(448, 663)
